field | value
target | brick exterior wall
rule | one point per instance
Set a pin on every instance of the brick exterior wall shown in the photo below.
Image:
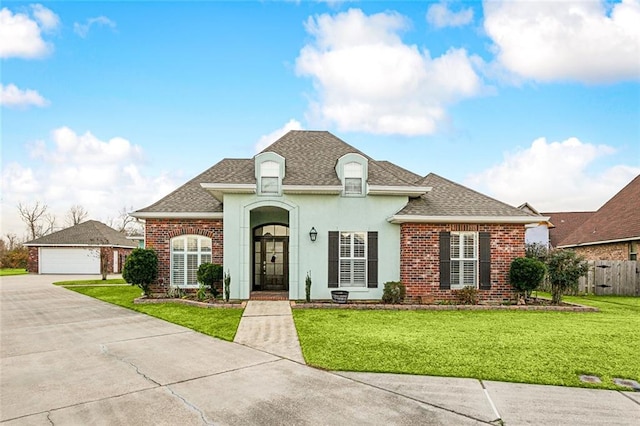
(612, 251)
(158, 235)
(420, 260)
(33, 260)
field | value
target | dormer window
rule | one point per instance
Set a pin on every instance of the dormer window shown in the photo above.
(269, 177)
(352, 171)
(269, 169)
(353, 179)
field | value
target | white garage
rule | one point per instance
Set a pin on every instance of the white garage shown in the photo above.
(76, 250)
(69, 260)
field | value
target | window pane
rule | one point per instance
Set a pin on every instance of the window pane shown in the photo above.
(359, 273)
(269, 185)
(353, 185)
(177, 244)
(192, 243)
(345, 244)
(192, 268)
(353, 170)
(469, 246)
(270, 169)
(455, 246)
(177, 272)
(455, 274)
(345, 272)
(469, 273)
(358, 245)
(205, 245)
(205, 258)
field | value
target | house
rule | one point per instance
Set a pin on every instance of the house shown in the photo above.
(536, 233)
(613, 231)
(564, 223)
(312, 204)
(79, 249)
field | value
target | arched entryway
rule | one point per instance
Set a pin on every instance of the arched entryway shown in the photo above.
(271, 257)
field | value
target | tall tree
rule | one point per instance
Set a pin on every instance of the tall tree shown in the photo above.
(76, 215)
(33, 215)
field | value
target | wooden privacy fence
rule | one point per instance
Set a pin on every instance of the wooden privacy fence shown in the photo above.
(612, 277)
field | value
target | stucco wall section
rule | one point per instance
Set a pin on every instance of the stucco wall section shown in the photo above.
(613, 251)
(420, 259)
(158, 234)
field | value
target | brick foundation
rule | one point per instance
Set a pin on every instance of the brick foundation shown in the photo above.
(158, 234)
(420, 260)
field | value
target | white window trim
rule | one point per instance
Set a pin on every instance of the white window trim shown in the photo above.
(353, 170)
(350, 258)
(460, 284)
(186, 252)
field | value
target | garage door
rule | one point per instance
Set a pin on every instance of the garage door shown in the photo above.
(69, 261)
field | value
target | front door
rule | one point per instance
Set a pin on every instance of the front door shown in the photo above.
(271, 258)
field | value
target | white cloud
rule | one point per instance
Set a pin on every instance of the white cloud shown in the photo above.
(70, 168)
(48, 20)
(13, 97)
(368, 80)
(567, 40)
(266, 140)
(554, 176)
(21, 36)
(439, 15)
(83, 29)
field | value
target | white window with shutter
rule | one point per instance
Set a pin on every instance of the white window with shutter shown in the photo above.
(464, 260)
(353, 259)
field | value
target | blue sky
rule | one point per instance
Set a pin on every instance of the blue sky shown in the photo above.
(115, 104)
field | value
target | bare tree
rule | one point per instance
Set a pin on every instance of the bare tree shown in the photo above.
(125, 223)
(33, 216)
(12, 241)
(76, 215)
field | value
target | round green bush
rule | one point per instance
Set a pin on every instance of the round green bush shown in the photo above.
(141, 268)
(526, 274)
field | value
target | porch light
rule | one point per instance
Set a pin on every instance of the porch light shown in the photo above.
(313, 234)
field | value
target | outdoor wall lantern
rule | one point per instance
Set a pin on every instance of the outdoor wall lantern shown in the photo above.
(313, 234)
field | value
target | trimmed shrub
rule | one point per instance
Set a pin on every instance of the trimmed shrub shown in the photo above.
(209, 274)
(227, 286)
(394, 292)
(526, 274)
(466, 296)
(141, 268)
(307, 287)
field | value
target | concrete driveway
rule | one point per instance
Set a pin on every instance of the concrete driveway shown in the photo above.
(69, 359)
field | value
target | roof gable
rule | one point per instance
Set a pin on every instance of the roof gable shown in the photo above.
(89, 233)
(564, 223)
(617, 219)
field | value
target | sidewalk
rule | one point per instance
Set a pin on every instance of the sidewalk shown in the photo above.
(268, 326)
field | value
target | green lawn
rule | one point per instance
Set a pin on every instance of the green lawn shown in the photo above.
(92, 282)
(219, 322)
(514, 346)
(12, 271)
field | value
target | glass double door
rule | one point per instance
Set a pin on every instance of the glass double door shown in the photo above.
(271, 262)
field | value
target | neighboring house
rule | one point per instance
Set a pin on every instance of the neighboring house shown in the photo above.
(612, 232)
(77, 250)
(312, 204)
(138, 240)
(536, 233)
(564, 223)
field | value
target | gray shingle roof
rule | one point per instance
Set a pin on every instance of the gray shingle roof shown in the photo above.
(448, 198)
(90, 232)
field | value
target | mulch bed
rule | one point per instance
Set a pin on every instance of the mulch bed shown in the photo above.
(535, 304)
(186, 301)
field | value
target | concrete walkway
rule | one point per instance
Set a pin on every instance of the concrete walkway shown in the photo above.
(268, 326)
(68, 359)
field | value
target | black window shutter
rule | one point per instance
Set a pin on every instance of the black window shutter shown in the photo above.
(334, 249)
(372, 259)
(445, 260)
(485, 260)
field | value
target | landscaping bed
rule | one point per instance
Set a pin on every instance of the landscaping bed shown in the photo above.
(210, 303)
(537, 304)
